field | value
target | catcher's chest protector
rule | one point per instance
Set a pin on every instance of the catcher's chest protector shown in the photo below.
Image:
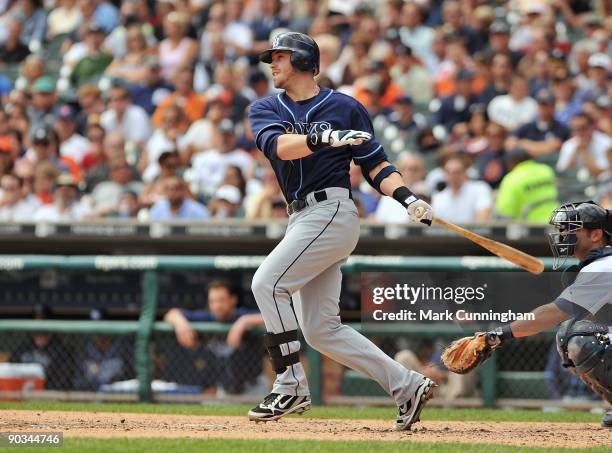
(585, 349)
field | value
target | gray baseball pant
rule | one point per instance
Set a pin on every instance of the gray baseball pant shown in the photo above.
(299, 284)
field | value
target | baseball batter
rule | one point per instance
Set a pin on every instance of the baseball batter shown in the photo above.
(310, 134)
(584, 230)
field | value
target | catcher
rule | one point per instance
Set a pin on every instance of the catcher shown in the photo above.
(583, 230)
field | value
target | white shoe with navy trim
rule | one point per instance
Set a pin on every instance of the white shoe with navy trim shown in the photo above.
(276, 405)
(409, 412)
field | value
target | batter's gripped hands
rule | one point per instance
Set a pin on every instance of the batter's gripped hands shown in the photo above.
(419, 211)
(186, 336)
(336, 139)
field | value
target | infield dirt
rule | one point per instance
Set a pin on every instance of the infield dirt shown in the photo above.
(112, 425)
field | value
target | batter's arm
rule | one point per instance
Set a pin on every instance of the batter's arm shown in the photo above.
(391, 182)
(292, 146)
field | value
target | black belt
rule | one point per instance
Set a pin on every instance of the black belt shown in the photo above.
(301, 203)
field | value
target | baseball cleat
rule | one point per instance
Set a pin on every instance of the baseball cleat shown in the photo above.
(276, 405)
(606, 421)
(409, 412)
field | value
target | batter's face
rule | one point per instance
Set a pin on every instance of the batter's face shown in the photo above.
(282, 70)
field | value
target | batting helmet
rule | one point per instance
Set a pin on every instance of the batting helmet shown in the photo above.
(304, 51)
(570, 218)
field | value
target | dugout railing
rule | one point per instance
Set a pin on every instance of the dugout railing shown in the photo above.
(145, 328)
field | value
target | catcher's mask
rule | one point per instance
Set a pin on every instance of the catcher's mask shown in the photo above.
(568, 219)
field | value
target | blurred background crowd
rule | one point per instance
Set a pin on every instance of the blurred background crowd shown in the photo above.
(137, 109)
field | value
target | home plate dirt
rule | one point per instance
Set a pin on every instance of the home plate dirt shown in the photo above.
(105, 424)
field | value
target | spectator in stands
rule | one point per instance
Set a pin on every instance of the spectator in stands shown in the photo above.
(568, 104)
(7, 151)
(112, 147)
(92, 65)
(227, 81)
(168, 137)
(226, 203)
(492, 165)
(14, 207)
(409, 123)
(130, 67)
(209, 167)
(456, 108)
(269, 18)
(501, 73)
(261, 204)
(106, 194)
(72, 144)
(153, 89)
(586, 149)
(414, 34)
(411, 76)
(45, 147)
(123, 116)
(177, 50)
(463, 200)
(49, 351)
(515, 108)
(91, 106)
(43, 99)
(543, 136)
(33, 18)
(176, 205)
(66, 206)
(499, 40)
(13, 50)
(412, 168)
(169, 163)
(204, 134)
(103, 360)
(63, 19)
(528, 192)
(44, 175)
(597, 83)
(95, 154)
(192, 103)
(128, 206)
(233, 363)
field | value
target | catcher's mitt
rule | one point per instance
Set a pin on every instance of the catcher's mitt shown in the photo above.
(465, 354)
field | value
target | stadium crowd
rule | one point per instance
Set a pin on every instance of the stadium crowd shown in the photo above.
(136, 109)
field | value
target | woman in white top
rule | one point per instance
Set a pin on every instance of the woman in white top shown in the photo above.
(177, 50)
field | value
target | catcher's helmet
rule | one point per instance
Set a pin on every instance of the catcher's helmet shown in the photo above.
(568, 219)
(304, 51)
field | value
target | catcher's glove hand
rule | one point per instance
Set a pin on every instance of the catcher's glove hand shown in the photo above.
(465, 354)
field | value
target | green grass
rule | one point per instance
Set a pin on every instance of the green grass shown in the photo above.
(316, 412)
(280, 446)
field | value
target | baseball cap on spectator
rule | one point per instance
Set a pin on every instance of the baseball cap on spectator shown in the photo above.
(464, 74)
(6, 144)
(66, 179)
(599, 60)
(403, 49)
(535, 8)
(164, 155)
(545, 96)
(404, 100)
(41, 136)
(226, 126)
(43, 84)
(231, 194)
(499, 26)
(256, 77)
(603, 102)
(66, 113)
(94, 27)
(592, 20)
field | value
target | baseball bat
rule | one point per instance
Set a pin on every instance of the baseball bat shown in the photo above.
(521, 259)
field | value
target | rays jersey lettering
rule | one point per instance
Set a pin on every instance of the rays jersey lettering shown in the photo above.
(305, 128)
(276, 115)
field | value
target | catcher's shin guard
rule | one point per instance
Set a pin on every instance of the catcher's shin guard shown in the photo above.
(586, 351)
(272, 341)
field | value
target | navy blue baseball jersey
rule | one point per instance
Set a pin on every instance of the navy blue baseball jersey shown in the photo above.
(276, 115)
